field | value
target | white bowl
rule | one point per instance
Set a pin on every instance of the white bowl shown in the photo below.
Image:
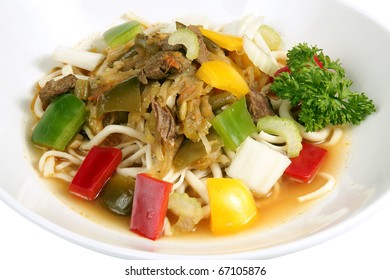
(339, 29)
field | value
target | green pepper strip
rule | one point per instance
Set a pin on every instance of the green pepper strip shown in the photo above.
(190, 152)
(124, 97)
(117, 194)
(234, 124)
(82, 89)
(217, 101)
(60, 122)
(121, 34)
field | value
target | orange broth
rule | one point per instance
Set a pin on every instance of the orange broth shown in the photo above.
(279, 207)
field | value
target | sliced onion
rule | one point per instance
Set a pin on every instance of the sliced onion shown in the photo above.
(265, 61)
(82, 59)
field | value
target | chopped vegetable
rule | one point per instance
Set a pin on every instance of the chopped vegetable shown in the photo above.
(321, 90)
(188, 209)
(60, 122)
(232, 205)
(247, 26)
(283, 127)
(82, 59)
(149, 206)
(117, 194)
(190, 153)
(97, 167)
(234, 124)
(258, 166)
(281, 70)
(222, 75)
(260, 54)
(187, 38)
(124, 97)
(304, 167)
(225, 41)
(217, 101)
(121, 34)
(271, 37)
(82, 89)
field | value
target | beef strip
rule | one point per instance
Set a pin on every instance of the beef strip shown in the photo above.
(165, 122)
(258, 105)
(204, 53)
(54, 88)
(162, 64)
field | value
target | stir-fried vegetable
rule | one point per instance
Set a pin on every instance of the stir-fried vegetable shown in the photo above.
(121, 34)
(150, 206)
(234, 124)
(304, 167)
(232, 205)
(60, 122)
(260, 54)
(222, 75)
(229, 42)
(192, 154)
(117, 194)
(217, 101)
(271, 37)
(124, 97)
(258, 166)
(283, 127)
(82, 89)
(188, 210)
(322, 92)
(82, 59)
(97, 167)
(187, 38)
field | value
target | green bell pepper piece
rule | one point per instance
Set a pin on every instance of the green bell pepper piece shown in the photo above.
(234, 124)
(117, 194)
(124, 97)
(60, 122)
(191, 152)
(121, 34)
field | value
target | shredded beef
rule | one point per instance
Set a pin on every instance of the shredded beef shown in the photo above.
(165, 122)
(258, 105)
(162, 64)
(204, 53)
(53, 88)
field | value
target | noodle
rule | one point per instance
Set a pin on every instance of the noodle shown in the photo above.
(327, 187)
(110, 129)
(318, 136)
(197, 185)
(174, 109)
(38, 111)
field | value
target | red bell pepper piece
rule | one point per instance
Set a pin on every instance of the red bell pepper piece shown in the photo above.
(97, 167)
(281, 70)
(150, 203)
(319, 62)
(304, 167)
(287, 69)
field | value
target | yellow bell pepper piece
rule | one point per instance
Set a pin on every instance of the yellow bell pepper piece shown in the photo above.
(232, 206)
(222, 75)
(225, 41)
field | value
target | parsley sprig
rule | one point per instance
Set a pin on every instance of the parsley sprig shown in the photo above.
(319, 86)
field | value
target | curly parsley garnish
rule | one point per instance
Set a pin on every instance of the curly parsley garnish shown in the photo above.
(319, 87)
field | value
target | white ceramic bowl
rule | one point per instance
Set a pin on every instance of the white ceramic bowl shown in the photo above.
(31, 30)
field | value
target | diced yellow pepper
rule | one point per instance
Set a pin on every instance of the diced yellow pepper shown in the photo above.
(232, 206)
(222, 75)
(225, 41)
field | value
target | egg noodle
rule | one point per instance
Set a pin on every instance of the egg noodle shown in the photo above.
(172, 133)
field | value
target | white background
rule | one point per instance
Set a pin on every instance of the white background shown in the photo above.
(29, 252)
